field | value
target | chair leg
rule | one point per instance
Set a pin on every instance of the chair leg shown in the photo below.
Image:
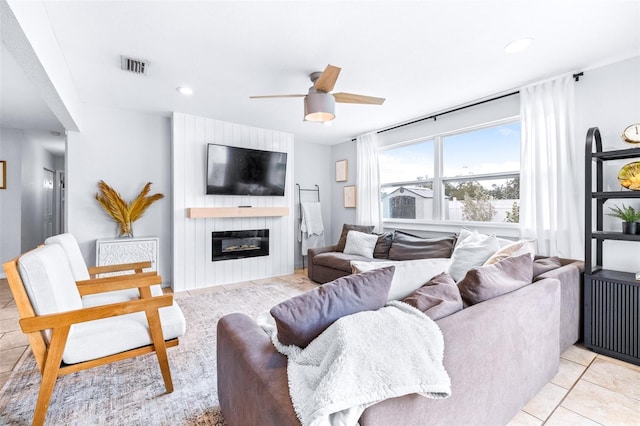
(50, 373)
(153, 317)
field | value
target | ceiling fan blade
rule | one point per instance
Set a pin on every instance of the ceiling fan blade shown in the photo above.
(352, 98)
(327, 79)
(277, 96)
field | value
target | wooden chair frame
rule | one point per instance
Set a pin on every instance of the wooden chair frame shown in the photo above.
(49, 356)
(137, 267)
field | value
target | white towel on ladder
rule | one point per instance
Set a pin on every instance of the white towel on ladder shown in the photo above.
(312, 219)
(311, 228)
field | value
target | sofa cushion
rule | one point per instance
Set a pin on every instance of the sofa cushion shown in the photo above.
(345, 230)
(339, 261)
(513, 249)
(545, 264)
(473, 251)
(381, 251)
(438, 298)
(360, 244)
(406, 246)
(302, 318)
(489, 281)
(409, 274)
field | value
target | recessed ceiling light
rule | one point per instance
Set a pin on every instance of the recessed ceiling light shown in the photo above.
(185, 90)
(518, 45)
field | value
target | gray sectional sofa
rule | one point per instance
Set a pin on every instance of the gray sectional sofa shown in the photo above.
(499, 353)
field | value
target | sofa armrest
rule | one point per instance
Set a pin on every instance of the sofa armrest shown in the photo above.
(498, 353)
(312, 252)
(571, 313)
(252, 375)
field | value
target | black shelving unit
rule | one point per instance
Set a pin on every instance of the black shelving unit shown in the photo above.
(611, 298)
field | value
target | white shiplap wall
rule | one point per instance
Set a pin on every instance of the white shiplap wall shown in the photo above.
(193, 267)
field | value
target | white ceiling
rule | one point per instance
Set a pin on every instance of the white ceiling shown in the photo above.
(423, 57)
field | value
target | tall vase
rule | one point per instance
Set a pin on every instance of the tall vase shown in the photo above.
(125, 230)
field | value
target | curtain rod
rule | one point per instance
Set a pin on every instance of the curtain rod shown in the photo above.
(576, 77)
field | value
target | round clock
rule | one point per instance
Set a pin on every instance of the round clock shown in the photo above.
(632, 134)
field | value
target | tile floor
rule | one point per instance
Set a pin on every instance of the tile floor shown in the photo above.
(589, 389)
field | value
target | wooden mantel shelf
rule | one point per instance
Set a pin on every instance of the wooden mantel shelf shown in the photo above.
(204, 212)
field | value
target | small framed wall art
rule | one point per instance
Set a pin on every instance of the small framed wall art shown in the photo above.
(3, 174)
(349, 196)
(342, 171)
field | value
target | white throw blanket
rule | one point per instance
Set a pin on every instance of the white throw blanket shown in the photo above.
(362, 359)
(311, 227)
(312, 219)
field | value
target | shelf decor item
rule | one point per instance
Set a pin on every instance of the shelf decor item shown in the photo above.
(628, 215)
(629, 176)
(122, 213)
(3, 174)
(342, 171)
(631, 134)
(349, 196)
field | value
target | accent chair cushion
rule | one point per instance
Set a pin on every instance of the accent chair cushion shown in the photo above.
(345, 230)
(489, 281)
(410, 247)
(95, 339)
(303, 318)
(438, 298)
(48, 280)
(70, 245)
(116, 296)
(471, 252)
(360, 243)
(409, 275)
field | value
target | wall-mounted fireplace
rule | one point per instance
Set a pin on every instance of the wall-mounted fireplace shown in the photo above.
(227, 245)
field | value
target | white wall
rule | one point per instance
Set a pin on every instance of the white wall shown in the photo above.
(340, 214)
(34, 160)
(193, 267)
(609, 98)
(11, 142)
(126, 149)
(313, 167)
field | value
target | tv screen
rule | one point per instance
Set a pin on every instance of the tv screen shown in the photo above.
(243, 171)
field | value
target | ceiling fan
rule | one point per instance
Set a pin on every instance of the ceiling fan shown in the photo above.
(319, 104)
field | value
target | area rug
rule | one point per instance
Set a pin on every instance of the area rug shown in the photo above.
(131, 392)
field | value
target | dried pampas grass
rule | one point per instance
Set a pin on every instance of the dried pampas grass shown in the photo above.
(122, 213)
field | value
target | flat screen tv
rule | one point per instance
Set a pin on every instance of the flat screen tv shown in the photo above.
(242, 171)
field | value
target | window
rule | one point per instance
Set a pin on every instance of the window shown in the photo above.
(472, 175)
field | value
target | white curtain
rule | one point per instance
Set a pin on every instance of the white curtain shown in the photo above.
(552, 170)
(368, 182)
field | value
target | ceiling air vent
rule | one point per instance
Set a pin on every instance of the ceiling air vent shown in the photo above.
(136, 66)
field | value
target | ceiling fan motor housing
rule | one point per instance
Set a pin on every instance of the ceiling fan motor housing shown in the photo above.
(319, 106)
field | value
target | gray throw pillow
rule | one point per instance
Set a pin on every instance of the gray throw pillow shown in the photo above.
(410, 247)
(545, 264)
(438, 298)
(303, 318)
(381, 251)
(489, 281)
(345, 230)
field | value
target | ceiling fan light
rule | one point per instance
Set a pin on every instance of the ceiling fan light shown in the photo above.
(319, 107)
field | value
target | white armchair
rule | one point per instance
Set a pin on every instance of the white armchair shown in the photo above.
(67, 334)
